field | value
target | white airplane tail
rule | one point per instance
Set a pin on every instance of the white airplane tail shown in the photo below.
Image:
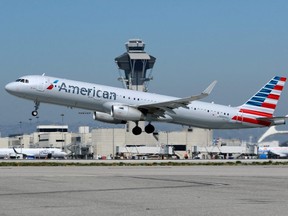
(259, 109)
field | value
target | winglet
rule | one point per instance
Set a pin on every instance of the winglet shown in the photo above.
(209, 89)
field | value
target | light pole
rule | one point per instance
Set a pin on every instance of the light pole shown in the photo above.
(62, 116)
(21, 135)
(167, 137)
(113, 143)
(20, 126)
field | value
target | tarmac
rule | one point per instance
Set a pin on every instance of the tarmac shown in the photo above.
(144, 190)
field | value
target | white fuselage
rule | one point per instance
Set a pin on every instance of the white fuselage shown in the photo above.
(101, 98)
(280, 151)
(32, 152)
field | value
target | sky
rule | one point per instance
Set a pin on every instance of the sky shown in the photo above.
(242, 44)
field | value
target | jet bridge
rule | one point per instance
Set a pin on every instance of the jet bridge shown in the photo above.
(144, 152)
(225, 151)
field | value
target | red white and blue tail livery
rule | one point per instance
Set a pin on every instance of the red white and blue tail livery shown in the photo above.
(259, 109)
(117, 105)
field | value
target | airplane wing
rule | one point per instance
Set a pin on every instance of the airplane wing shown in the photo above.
(280, 154)
(168, 106)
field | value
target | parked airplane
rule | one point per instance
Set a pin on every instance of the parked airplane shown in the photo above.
(271, 131)
(280, 151)
(32, 153)
(117, 105)
(272, 147)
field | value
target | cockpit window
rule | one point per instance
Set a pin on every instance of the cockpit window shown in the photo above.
(22, 80)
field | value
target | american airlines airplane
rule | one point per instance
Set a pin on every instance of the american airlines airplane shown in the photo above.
(117, 105)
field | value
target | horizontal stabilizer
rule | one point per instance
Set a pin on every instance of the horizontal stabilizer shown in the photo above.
(278, 120)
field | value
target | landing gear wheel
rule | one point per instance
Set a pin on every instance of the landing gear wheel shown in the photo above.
(149, 128)
(34, 113)
(137, 130)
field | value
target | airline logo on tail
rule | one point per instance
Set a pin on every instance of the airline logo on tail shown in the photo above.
(259, 108)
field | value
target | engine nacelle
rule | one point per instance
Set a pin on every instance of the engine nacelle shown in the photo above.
(126, 113)
(104, 117)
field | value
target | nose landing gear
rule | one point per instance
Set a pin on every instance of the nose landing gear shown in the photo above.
(35, 112)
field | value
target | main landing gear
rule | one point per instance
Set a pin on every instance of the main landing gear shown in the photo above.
(148, 129)
(137, 130)
(35, 112)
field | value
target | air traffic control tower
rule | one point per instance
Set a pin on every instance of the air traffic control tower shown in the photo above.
(135, 63)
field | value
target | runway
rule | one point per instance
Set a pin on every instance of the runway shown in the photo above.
(156, 190)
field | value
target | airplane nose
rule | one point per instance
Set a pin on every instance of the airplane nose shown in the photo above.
(10, 88)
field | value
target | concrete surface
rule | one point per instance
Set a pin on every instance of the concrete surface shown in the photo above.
(192, 190)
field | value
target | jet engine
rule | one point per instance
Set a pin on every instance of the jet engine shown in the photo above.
(126, 113)
(104, 117)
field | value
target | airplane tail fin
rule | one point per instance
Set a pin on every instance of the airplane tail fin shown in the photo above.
(15, 151)
(264, 102)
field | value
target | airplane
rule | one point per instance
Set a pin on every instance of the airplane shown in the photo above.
(280, 151)
(272, 147)
(117, 105)
(271, 131)
(32, 153)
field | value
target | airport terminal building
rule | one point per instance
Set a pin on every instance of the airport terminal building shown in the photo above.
(105, 142)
